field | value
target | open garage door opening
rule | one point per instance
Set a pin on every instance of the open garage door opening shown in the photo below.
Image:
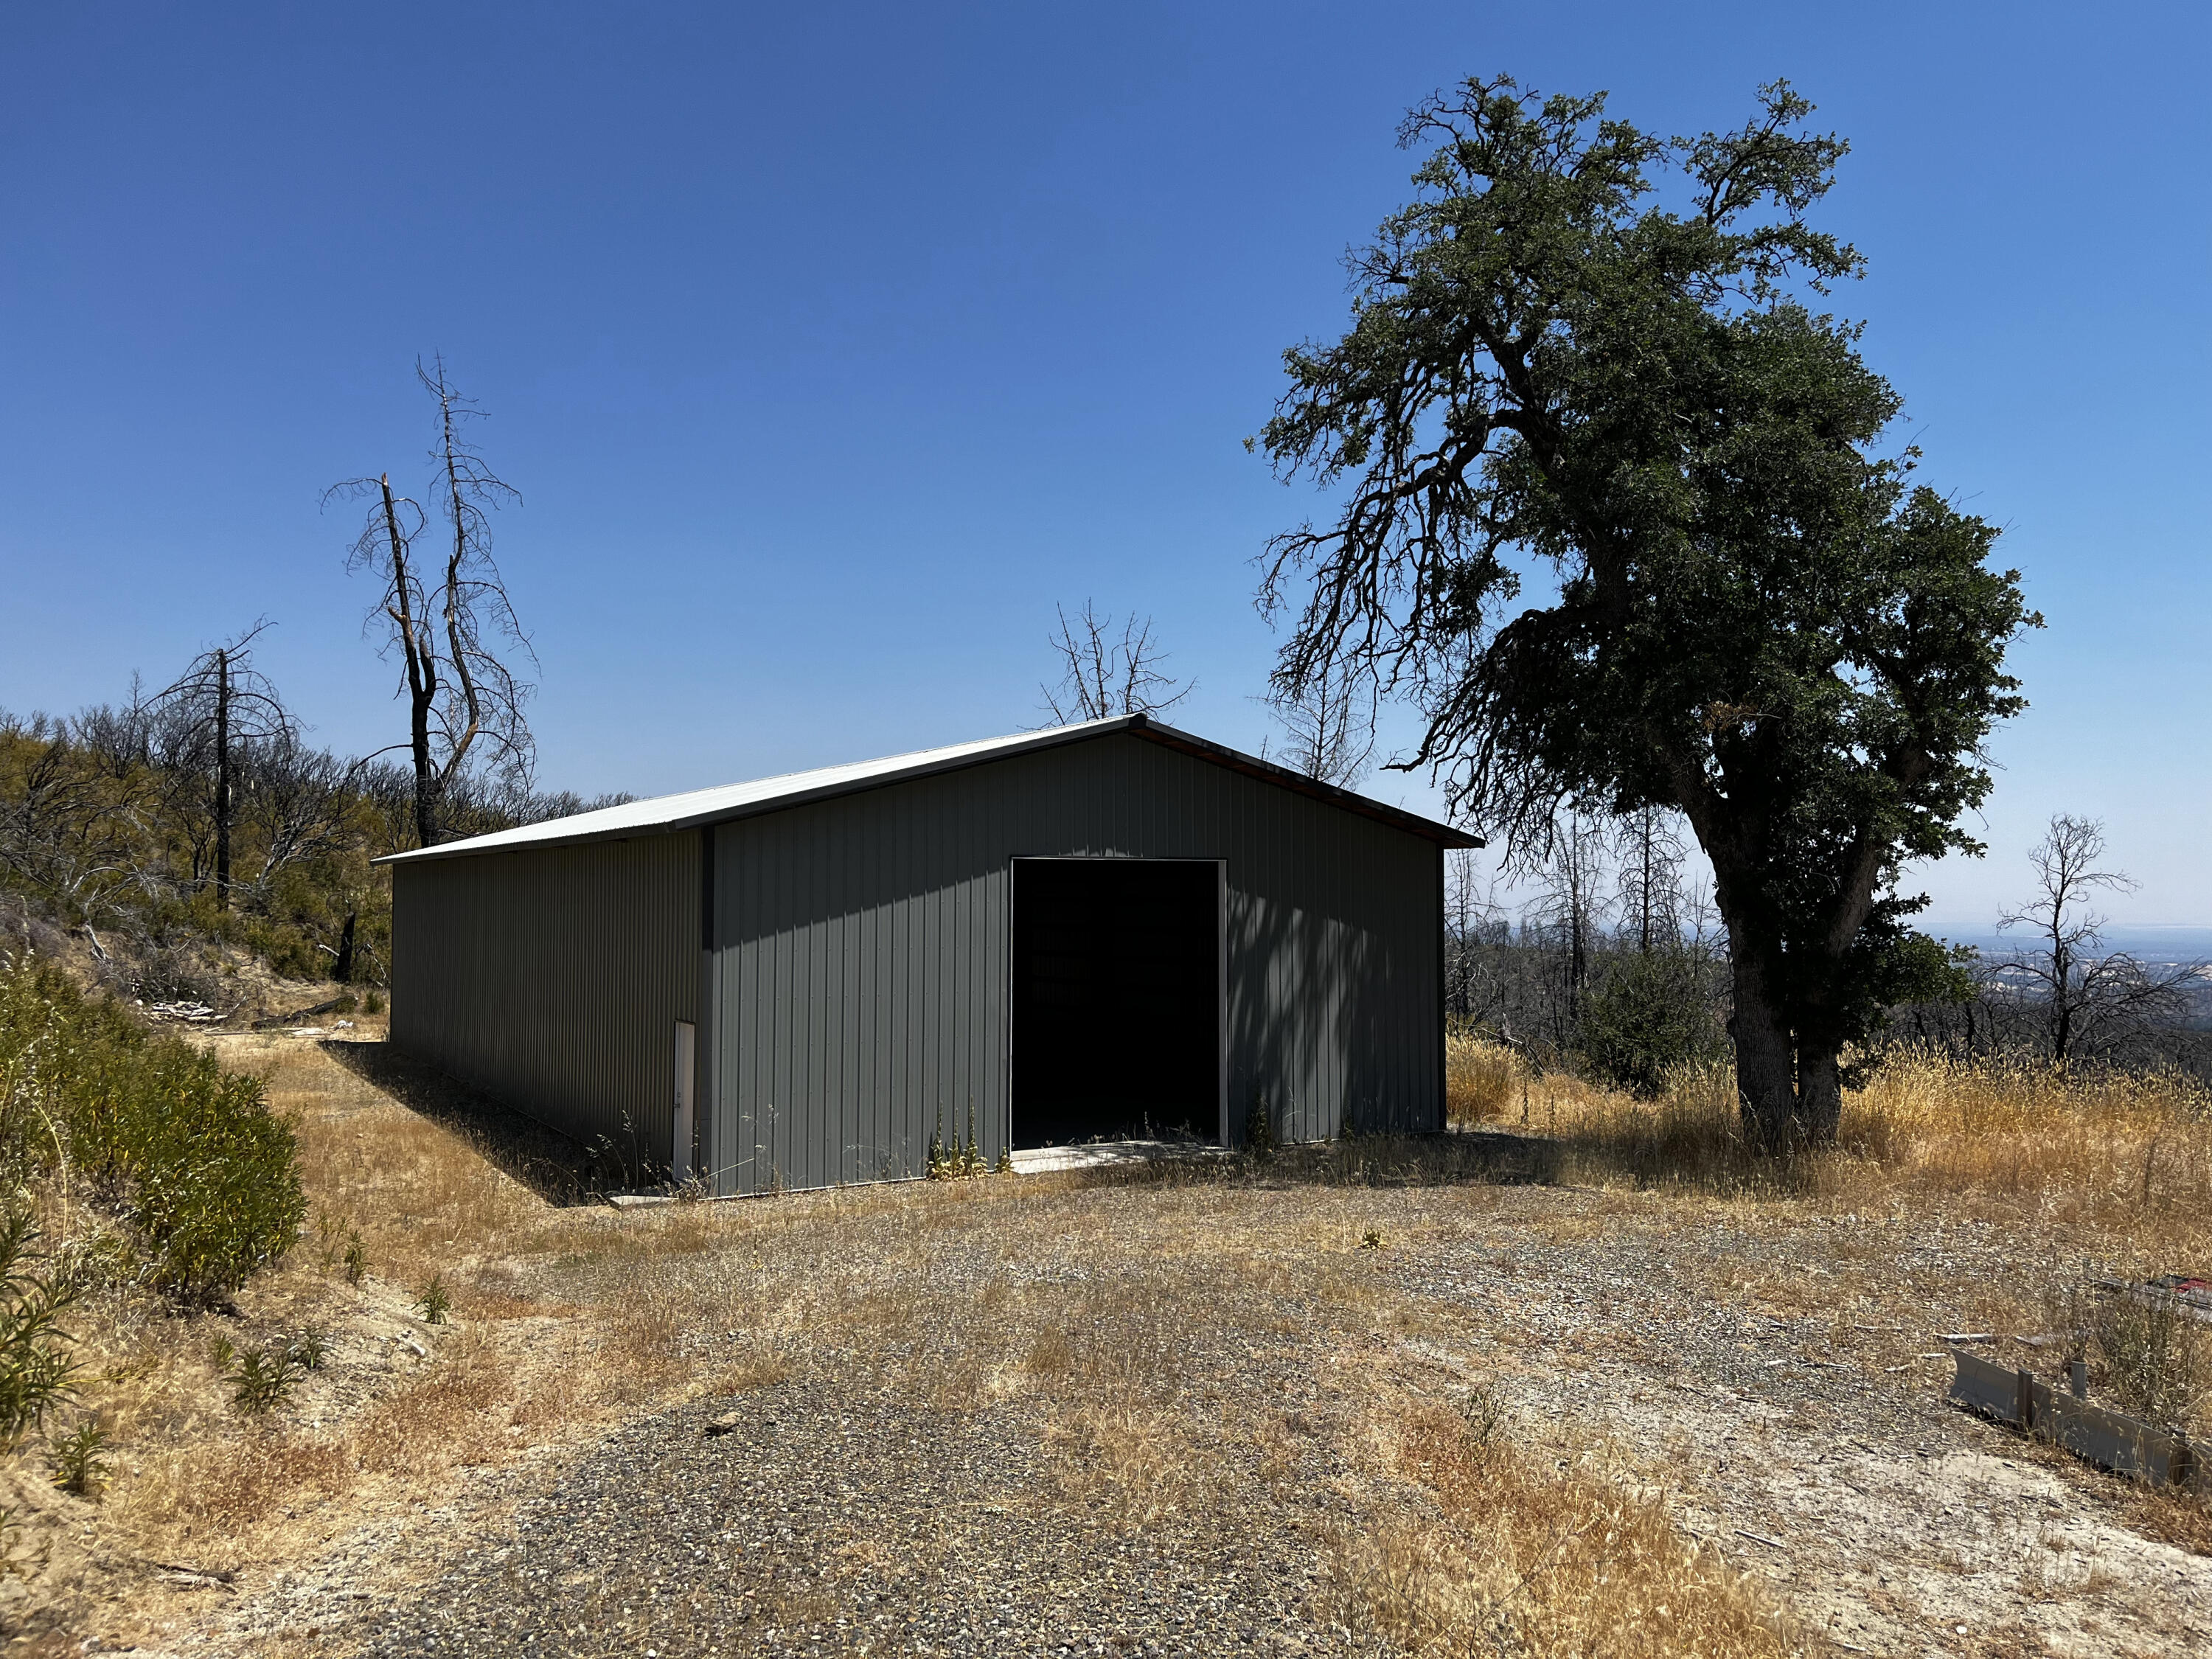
(1116, 999)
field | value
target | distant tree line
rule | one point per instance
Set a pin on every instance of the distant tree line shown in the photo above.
(1610, 963)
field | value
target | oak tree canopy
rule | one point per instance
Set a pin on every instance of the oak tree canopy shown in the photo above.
(1618, 512)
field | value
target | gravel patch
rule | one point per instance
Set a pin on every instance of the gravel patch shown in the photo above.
(823, 1516)
(1886, 1520)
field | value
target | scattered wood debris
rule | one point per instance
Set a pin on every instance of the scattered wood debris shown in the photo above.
(192, 1013)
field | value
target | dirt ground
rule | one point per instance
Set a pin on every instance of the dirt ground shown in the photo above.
(1410, 1398)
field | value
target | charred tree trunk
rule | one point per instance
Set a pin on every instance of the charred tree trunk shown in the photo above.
(342, 969)
(2062, 998)
(421, 672)
(221, 703)
(463, 702)
(1819, 1092)
(223, 779)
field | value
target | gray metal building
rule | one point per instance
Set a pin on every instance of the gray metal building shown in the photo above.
(1100, 929)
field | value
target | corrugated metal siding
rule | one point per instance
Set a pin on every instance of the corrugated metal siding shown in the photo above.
(862, 956)
(553, 979)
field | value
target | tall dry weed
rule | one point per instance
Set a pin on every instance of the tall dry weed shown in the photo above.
(1533, 1553)
(2127, 1156)
(1481, 1080)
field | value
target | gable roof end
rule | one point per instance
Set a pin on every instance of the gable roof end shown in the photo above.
(666, 813)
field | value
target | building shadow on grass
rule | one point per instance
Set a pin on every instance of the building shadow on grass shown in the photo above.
(561, 1171)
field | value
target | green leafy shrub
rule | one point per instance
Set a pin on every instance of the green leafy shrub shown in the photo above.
(211, 1171)
(189, 1153)
(77, 1461)
(262, 1379)
(434, 1302)
(34, 1371)
(1655, 1014)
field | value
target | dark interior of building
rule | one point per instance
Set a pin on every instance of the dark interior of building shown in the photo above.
(1116, 990)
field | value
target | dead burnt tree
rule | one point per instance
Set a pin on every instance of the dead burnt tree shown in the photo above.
(1651, 892)
(1103, 676)
(1329, 719)
(2089, 1000)
(1570, 912)
(465, 699)
(1485, 975)
(220, 707)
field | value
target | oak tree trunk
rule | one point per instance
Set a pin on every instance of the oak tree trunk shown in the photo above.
(1765, 1058)
(1819, 1092)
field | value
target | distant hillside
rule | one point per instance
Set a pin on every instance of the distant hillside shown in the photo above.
(109, 837)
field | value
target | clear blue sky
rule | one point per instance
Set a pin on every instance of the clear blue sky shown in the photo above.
(830, 347)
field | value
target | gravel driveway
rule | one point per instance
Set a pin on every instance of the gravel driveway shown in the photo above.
(834, 1521)
(836, 1515)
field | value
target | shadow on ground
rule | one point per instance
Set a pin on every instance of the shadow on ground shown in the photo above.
(560, 1170)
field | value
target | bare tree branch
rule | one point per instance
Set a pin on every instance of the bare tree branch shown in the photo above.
(1103, 676)
(219, 703)
(1329, 718)
(465, 699)
(2089, 999)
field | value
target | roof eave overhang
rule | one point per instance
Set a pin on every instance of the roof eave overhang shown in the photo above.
(1443, 835)
(1142, 726)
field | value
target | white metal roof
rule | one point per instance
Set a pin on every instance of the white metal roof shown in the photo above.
(734, 800)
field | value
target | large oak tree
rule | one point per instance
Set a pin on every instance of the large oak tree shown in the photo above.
(1591, 360)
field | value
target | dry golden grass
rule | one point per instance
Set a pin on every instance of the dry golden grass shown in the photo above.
(2130, 1157)
(1111, 1306)
(1542, 1545)
(1482, 1081)
(2112, 1171)
(2125, 1159)
(398, 1407)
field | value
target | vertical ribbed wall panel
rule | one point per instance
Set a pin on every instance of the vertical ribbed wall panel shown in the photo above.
(552, 979)
(864, 955)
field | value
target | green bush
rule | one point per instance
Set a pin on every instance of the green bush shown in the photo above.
(189, 1153)
(1655, 1014)
(261, 1379)
(34, 1372)
(78, 1462)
